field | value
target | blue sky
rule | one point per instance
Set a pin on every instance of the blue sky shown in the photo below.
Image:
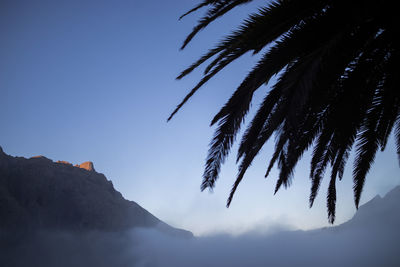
(95, 80)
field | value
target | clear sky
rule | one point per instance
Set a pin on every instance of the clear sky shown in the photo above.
(94, 80)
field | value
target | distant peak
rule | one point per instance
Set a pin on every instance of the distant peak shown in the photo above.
(377, 197)
(373, 201)
(395, 192)
(38, 157)
(88, 165)
(64, 162)
(396, 188)
(42, 158)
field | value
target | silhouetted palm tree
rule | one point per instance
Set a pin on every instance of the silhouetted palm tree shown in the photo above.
(338, 85)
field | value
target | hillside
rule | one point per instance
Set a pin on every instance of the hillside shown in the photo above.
(38, 193)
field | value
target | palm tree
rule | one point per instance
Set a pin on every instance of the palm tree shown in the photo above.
(338, 86)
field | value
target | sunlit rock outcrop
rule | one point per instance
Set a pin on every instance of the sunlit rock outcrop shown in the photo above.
(88, 165)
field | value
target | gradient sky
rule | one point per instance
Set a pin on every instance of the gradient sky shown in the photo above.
(94, 80)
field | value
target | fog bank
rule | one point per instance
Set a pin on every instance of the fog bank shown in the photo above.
(363, 246)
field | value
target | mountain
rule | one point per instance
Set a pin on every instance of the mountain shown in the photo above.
(66, 202)
(377, 212)
(37, 193)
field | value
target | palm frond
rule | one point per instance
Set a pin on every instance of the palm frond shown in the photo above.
(331, 200)
(272, 21)
(202, 4)
(397, 137)
(218, 9)
(337, 86)
(367, 141)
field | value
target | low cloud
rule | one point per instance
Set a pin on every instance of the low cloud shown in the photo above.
(340, 246)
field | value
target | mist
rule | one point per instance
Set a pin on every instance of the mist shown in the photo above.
(336, 246)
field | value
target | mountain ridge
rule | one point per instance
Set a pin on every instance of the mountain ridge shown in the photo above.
(374, 211)
(38, 193)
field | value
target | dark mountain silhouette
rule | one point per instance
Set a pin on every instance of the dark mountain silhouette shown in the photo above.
(38, 193)
(377, 212)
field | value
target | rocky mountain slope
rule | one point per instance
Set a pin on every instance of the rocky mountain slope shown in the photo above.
(38, 193)
(377, 212)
